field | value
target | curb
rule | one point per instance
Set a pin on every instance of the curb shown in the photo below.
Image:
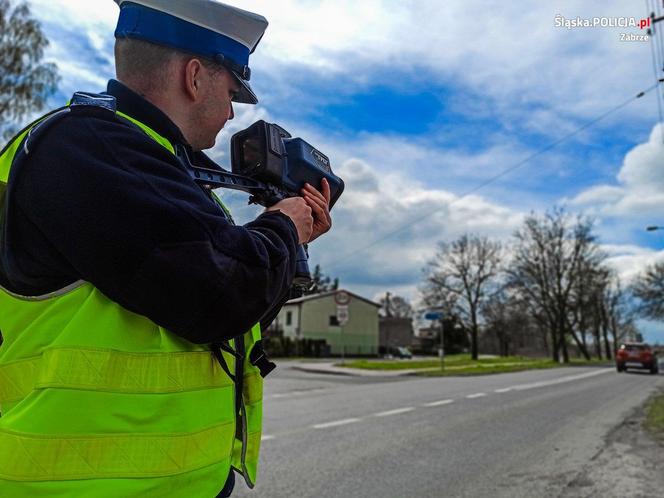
(325, 371)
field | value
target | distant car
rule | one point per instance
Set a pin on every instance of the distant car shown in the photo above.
(398, 352)
(636, 355)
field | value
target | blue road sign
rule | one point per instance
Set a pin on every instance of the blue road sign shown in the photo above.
(433, 315)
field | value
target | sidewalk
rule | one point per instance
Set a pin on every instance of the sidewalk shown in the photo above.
(331, 368)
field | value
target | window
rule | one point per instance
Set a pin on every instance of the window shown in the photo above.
(333, 321)
(289, 317)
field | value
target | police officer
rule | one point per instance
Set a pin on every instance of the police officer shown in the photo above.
(131, 305)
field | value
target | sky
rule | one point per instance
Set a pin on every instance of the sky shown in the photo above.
(420, 103)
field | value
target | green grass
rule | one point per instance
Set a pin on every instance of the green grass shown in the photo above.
(461, 364)
(655, 416)
(490, 368)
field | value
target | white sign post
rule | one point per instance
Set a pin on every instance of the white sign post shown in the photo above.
(342, 314)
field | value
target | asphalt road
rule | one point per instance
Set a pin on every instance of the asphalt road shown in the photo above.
(524, 434)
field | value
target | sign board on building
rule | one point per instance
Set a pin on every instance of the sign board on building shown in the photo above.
(342, 298)
(433, 315)
(342, 314)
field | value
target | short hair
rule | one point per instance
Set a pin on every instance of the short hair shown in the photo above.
(145, 64)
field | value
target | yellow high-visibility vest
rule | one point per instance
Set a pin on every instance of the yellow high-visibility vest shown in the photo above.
(98, 401)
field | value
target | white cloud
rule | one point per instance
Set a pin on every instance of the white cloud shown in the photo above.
(639, 194)
(630, 260)
(508, 52)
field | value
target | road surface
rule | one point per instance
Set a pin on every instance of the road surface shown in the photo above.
(524, 434)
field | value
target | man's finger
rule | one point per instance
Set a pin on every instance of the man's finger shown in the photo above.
(326, 190)
(320, 201)
(320, 211)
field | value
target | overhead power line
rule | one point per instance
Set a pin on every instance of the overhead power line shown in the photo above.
(494, 178)
(657, 52)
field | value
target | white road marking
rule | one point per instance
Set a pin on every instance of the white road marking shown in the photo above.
(297, 393)
(476, 395)
(336, 423)
(394, 412)
(503, 390)
(561, 380)
(439, 403)
(265, 437)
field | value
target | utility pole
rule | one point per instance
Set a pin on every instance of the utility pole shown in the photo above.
(657, 52)
(441, 351)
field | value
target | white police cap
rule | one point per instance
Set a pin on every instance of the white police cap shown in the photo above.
(211, 29)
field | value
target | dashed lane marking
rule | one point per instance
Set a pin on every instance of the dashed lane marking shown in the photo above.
(439, 403)
(476, 395)
(394, 412)
(266, 437)
(336, 423)
(503, 390)
(561, 380)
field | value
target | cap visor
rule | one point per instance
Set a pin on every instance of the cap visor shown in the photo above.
(246, 95)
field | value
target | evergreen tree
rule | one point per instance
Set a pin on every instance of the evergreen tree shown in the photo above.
(25, 81)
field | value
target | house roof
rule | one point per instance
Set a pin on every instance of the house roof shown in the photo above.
(330, 293)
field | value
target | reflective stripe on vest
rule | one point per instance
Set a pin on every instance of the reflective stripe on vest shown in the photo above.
(112, 371)
(75, 350)
(103, 457)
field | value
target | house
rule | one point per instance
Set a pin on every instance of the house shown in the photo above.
(315, 317)
(395, 332)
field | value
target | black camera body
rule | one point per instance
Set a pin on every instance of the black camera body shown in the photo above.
(268, 153)
(271, 166)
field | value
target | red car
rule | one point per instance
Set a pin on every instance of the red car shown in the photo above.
(636, 355)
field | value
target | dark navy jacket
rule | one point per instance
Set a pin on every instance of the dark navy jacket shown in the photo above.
(99, 200)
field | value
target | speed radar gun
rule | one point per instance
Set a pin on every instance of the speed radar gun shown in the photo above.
(271, 165)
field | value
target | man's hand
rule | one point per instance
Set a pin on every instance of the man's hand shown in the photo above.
(299, 211)
(319, 202)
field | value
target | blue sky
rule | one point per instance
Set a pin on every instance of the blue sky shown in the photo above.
(418, 102)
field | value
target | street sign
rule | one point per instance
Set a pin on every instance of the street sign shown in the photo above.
(342, 298)
(342, 314)
(433, 315)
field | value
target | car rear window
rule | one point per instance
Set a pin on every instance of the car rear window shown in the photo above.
(635, 347)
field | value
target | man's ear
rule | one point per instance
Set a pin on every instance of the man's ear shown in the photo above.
(193, 79)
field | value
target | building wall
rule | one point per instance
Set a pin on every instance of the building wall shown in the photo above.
(289, 329)
(359, 335)
(395, 332)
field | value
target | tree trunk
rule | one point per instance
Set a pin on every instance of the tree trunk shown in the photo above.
(563, 343)
(607, 347)
(473, 342)
(554, 346)
(582, 347)
(598, 341)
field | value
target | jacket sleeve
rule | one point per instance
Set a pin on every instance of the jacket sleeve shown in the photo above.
(126, 217)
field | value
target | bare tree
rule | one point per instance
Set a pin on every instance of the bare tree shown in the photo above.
(553, 253)
(395, 306)
(25, 81)
(621, 313)
(460, 278)
(649, 290)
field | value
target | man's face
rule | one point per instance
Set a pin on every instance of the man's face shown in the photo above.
(217, 106)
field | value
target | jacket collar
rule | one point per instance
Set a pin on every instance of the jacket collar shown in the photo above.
(138, 107)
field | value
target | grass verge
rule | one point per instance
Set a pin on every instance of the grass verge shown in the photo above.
(655, 416)
(462, 365)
